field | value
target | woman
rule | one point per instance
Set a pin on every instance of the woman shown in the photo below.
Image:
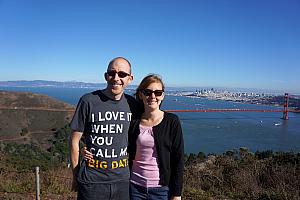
(156, 147)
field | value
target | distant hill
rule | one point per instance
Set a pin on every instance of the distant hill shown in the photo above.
(27, 117)
(55, 84)
(43, 83)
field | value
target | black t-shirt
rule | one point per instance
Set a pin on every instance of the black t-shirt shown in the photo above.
(104, 123)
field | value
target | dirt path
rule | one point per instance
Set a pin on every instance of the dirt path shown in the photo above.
(27, 136)
(37, 108)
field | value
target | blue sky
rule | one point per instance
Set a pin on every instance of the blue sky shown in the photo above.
(202, 43)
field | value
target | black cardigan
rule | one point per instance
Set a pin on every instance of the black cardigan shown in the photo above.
(169, 144)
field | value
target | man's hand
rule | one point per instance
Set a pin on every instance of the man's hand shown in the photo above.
(175, 198)
(87, 155)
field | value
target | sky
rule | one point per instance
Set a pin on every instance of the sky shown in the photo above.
(196, 43)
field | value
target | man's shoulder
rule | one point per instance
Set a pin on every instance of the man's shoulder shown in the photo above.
(130, 98)
(132, 102)
(91, 95)
(135, 107)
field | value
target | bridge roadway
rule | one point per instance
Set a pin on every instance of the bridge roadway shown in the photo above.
(231, 110)
(200, 110)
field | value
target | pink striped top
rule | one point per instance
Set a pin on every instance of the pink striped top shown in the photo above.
(145, 171)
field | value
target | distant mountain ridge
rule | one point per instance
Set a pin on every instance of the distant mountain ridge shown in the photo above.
(43, 83)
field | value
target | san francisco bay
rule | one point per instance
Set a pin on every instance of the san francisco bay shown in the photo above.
(214, 132)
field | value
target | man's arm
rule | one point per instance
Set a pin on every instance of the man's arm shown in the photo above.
(74, 155)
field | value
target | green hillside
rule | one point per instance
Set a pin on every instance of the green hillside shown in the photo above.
(27, 118)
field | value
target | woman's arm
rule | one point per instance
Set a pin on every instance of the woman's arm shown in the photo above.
(177, 160)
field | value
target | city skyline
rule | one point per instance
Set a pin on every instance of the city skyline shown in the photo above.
(231, 44)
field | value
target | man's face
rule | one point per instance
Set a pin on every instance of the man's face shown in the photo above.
(118, 77)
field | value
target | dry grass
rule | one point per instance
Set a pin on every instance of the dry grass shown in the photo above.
(244, 176)
(55, 184)
(236, 176)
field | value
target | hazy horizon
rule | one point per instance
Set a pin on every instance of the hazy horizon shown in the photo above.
(169, 88)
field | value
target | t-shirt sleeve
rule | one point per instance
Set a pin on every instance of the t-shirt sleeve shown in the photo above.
(80, 116)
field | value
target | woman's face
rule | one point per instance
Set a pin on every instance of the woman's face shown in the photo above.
(152, 96)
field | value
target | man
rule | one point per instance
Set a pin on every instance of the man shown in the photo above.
(102, 119)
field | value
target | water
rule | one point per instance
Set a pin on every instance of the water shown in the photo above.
(215, 132)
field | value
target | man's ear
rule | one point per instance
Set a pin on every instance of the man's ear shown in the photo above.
(105, 76)
(131, 77)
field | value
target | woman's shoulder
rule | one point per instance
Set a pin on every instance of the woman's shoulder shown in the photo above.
(171, 116)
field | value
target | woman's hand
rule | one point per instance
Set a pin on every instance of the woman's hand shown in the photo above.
(86, 154)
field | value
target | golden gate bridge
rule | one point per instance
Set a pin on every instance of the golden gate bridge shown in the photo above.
(285, 109)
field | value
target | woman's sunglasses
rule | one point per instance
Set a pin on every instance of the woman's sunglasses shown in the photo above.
(121, 74)
(148, 92)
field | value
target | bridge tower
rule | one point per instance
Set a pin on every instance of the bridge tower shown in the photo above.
(285, 106)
